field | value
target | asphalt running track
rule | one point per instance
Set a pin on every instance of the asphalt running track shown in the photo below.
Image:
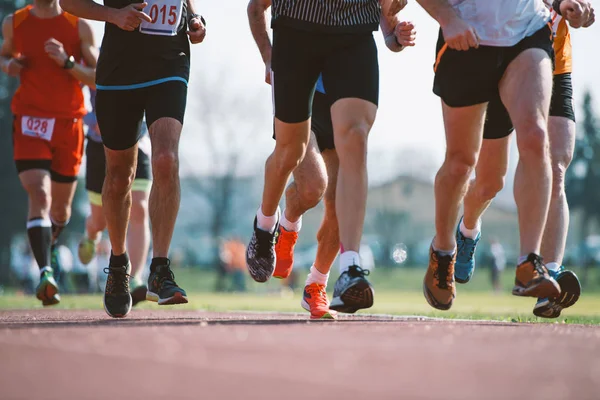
(170, 354)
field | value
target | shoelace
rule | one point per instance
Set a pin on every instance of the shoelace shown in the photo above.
(317, 292)
(538, 266)
(461, 247)
(113, 285)
(442, 272)
(355, 271)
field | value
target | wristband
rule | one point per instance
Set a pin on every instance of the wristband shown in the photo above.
(192, 16)
(556, 6)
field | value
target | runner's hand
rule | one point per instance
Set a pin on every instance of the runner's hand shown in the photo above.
(13, 67)
(197, 31)
(56, 51)
(591, 19)
(405, 33)
(577, 12)
(459, 35)
(396, 6)
(130, 17)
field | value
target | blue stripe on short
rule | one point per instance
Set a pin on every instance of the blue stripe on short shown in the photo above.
(143, 84)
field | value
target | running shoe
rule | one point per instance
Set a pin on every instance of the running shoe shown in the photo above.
(47, 290)
(117, 299)
(570, 290)
(533, 280)
(314, 300)
(465, 256)
(86, 250)
(284, 250)
(162, 287)
(260, 255)
(352, 291)
(438, 285)
(138, 291)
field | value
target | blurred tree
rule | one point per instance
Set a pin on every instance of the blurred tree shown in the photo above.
(14, 201)
(583, 176)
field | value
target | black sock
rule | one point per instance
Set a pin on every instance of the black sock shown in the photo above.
(40, 238)
(57, 229)
(156, 261)
(118, 261)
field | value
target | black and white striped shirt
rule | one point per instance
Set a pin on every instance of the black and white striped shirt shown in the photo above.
(334, 16)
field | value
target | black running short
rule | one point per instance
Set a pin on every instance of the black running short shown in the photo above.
(321, 123)
(120, 112)
(498, 124)
(95, 170)
(466, 78)
(348, 63)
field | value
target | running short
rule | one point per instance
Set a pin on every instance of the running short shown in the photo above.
(498, 124)
(465, 78)
(95, 170)
(53, 144)
(321, 123)
(120, 112)
(348, 63)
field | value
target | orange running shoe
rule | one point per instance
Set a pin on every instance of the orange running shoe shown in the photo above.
(315, 301)
(284, 249)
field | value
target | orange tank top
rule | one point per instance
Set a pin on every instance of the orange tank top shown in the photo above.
(46, 90)
(562, 45)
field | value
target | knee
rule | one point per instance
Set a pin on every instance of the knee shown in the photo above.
(39, 197)
(559, 170)
(60, 214)
(287, 158)
(460, 165)
(139, 211)
(532, 140)
(165, 164)
(353, 141)
(118, 178)
(488, 189)
(312, 193)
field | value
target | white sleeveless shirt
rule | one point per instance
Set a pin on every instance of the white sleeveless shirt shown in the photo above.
(503, 22)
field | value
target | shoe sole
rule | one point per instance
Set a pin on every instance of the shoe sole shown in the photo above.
(327, 315)
(545, 287)
(433, 302)
(177, 298)
(48, 294)
(570, 292)
(354, 298)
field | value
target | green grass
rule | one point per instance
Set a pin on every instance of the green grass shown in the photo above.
(397, 292)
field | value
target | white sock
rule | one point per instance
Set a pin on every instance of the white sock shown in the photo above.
(347, 259)
(522, 259)
(442, 252)
(470, 233)
(267, 223)
(316, 277)
(553, 266)
(289, 225)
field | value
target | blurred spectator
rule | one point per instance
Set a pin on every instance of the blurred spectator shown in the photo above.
(233, 259)
(497, 263)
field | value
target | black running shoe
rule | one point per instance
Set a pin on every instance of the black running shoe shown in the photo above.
(162, 287)
(138, 291)
(117, 300)
(352, 291)
(260, 255)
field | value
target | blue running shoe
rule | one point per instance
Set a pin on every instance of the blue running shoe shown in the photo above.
(570, 290)
(465, 257)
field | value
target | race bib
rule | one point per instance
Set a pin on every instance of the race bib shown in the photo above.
(165, 15)
(38, 127)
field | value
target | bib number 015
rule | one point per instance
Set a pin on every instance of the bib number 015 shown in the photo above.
(165, 15)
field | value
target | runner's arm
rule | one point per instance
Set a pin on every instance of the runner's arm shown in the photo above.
(258, 25)
(86, 73)
(397, 35)
(8, 63)
(127, 18)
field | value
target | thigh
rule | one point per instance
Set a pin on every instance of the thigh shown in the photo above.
(67, 150)
(349, 113)
(464, 130)
(352, 69)
(296, 65)
(497, 121)
(95, 168)
(465, 78)
(492, 164)
(166, 100)
(119, 114)
(321, 124)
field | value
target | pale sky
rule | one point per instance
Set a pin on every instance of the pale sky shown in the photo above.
(409, 120)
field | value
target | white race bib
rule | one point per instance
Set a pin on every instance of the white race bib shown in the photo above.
(38, 127)
(165, 14)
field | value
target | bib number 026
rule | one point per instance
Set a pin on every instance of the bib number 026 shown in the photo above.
(165, 15)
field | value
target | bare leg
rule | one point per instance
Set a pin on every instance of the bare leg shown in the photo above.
(138, 237)
(489, 179)
(166, 193)
(95, 223)
(62, 199)
(352, 121)
(561, 132)
(310, 182)
(525, 90)
(328, 237)
(464, 127)
(36, 183)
